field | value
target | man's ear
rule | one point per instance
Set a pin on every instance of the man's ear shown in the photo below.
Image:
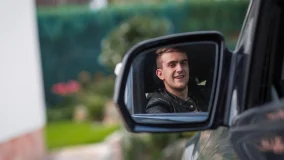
(159, 73)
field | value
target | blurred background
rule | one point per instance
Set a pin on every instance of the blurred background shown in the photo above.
(81, 41)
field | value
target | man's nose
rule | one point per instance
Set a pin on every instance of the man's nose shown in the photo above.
(179, 68)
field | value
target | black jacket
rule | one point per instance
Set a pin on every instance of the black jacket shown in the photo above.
(162, 101)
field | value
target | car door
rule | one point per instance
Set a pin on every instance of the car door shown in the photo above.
(250, 81)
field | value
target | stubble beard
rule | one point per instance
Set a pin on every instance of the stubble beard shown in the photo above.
(175, 88)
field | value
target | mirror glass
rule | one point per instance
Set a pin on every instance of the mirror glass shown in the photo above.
(172, 83)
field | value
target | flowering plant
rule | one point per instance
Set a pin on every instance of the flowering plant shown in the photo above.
(88, 91)
(65, 89)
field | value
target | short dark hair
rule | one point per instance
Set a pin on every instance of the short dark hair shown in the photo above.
(161, 51)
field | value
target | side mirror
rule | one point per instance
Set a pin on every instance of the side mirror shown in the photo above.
(172, 83)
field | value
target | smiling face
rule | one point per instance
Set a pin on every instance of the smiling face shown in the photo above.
(173, 70)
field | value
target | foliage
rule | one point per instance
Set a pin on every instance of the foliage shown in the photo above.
(71, 39)
(59, 9)
(59, 113)
(135, 147)
(162, 140)
(147, 146)
(95, 106)
(66, 133)
(101, 85)
(150, 146)
(90, 92)
(130, 32)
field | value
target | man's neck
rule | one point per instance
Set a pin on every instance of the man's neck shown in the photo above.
(182, 94)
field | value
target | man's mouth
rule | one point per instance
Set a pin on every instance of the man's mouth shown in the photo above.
(179, 77)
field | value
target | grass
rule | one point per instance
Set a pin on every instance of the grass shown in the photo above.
(68, 133)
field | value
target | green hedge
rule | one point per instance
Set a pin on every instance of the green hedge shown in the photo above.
(70, 40)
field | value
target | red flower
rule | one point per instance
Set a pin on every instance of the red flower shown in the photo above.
(72, 86)
(64, 89)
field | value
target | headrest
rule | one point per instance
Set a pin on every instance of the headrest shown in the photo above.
(151, 81)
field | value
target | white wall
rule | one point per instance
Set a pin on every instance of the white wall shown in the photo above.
(22, 107)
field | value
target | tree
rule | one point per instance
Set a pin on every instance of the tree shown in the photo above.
(130, 32)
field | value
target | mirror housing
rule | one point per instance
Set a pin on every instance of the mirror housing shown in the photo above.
(221, 73)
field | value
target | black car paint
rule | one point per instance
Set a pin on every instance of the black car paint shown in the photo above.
(248, 133)
(243, 85)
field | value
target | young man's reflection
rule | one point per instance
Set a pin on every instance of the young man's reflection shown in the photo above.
(173, 70)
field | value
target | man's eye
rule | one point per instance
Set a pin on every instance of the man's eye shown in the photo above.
(171, 65)
(184, 63)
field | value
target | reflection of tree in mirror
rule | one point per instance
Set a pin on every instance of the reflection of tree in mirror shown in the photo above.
(132, 31)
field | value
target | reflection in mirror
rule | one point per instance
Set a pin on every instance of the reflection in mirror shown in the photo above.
(174, 79)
